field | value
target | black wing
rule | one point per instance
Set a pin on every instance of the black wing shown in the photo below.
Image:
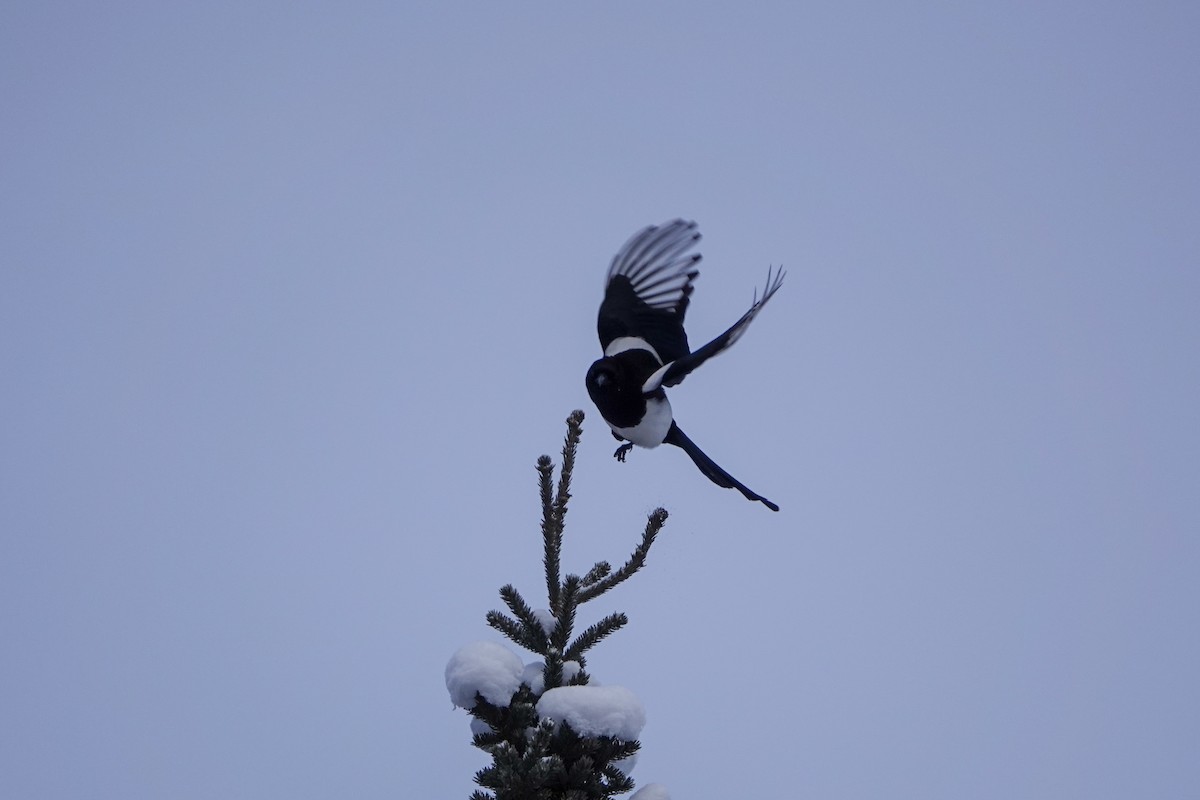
(674, 372)
(648, 288)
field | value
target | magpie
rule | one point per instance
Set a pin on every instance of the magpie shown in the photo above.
(648, 288)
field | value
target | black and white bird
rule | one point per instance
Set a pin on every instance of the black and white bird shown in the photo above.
(645, 346)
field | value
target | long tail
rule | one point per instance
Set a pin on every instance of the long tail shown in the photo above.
(709, 467)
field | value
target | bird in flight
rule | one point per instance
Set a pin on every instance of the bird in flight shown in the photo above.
(645, 347)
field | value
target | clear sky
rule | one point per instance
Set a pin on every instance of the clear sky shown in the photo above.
(293, 295)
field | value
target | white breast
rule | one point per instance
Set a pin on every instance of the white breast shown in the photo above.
(653, 428)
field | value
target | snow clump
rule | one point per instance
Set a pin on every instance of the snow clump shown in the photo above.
(534, 676)
(488, 668)
(595, 710)
(546, 619)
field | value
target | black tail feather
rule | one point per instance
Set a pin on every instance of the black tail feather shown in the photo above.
(709, 467)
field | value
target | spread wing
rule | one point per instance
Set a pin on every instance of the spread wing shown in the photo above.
(673, 372)
(648, 288)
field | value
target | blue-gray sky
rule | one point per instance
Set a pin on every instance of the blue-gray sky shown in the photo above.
(292, 297)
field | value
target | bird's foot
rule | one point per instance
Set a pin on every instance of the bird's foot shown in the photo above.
(623, 451)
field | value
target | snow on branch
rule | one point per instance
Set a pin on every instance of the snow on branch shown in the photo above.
(549, 732)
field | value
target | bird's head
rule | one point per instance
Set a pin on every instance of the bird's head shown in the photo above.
(603, 377)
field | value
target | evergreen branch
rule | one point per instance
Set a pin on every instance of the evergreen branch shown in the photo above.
(493, 715)
(594, 635)
(597, 572)
(566, 620)
(623, 749)
(570, 445)
(654, 524)
(618, 781)
(545, 468)
(553, 671)
(582, 772)
(485, 740)
(536, 633)
(551, 532)
(516, 632)
(554, 509)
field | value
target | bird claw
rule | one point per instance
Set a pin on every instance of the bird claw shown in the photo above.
(623, 451)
